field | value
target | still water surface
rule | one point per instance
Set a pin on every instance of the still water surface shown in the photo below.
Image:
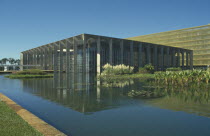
(82, 106)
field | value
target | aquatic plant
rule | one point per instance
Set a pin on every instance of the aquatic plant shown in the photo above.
(207, 76)
(183, 78)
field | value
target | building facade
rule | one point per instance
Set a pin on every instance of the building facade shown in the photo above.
(88, 53)
(194, 38)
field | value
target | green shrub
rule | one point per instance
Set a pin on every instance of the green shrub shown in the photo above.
(143, 71)
(31, 72)
(116, 70)
(148, 68)
(174, 69)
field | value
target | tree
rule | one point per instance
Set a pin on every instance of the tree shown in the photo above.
(11, 60)
(17, 62)
(4, 61)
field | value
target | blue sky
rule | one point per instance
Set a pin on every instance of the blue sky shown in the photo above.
(26, 24)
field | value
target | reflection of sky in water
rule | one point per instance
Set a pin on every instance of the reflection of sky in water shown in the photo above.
(86, 108)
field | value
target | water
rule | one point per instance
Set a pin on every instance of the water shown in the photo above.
(80, 106)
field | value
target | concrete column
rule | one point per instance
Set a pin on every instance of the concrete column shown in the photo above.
(168, 57)
(32, 58)
(67, 64)
(110, 52)
(182, 59)
(148, 54)
(84, 55)
(178, 57)
(187, 62)
(24, 60)
(61, 57)
(50, 56)
(27, 60)
(41, 58)
(121, 52)
(191, 59)
(174, 58)
(55, 63)
(162, 58)
(98, 61)
(35, 58)
(140, 55)
(67, 57)
(45, 58)
(75, 54)
(155, 58)
(38, 58)
(132, 54)
(21, 61)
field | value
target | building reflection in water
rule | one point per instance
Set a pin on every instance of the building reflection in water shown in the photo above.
(83, 93)
(80, 92)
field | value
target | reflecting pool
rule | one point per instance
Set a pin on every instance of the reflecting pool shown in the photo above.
(79, 105)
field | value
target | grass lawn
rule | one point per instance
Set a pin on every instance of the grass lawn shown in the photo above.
(12, 124)
(13, 76)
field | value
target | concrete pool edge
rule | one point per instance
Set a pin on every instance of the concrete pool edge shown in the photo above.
(31, 119)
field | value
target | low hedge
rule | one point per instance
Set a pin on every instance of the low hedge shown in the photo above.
(13, 76)
(148, 68)
(31, 72)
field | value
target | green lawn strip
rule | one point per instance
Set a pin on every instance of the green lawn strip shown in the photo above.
(29, 76)
(13, 125)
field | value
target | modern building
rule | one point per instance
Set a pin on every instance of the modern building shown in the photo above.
(194, 38)
(88, 53)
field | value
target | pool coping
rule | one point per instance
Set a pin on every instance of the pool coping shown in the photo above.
(31, 119)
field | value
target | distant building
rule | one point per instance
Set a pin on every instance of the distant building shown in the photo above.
(88, 53)
(194, 38)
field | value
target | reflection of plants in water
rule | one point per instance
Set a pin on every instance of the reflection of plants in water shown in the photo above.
(193, 93)
(118, 83)
(190, 99)
(198, 93)
(124, 82)
(147, 92)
